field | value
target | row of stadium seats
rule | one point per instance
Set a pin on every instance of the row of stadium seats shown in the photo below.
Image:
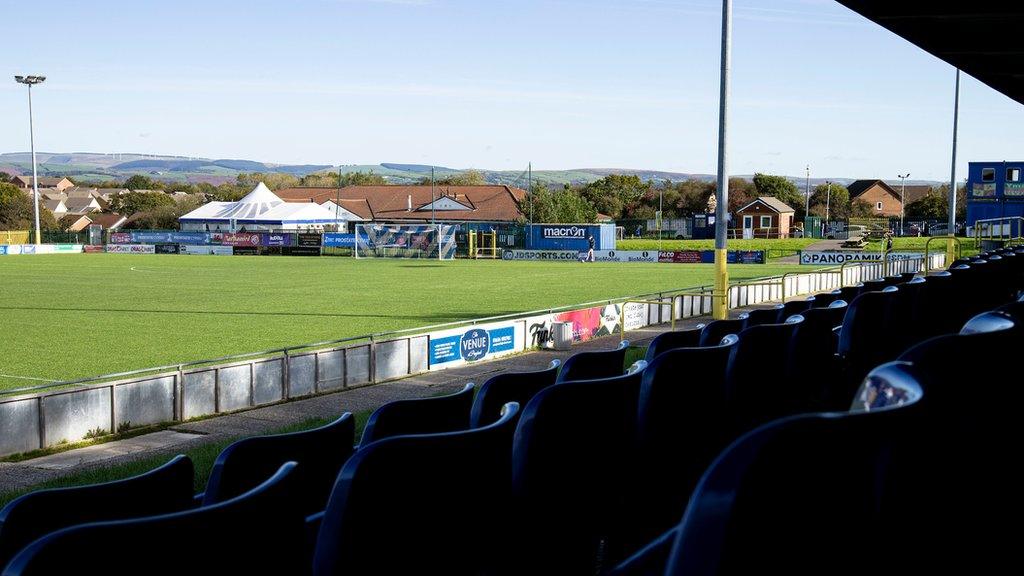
(583, 469)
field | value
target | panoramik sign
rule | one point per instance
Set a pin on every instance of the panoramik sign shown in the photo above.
(842, 257)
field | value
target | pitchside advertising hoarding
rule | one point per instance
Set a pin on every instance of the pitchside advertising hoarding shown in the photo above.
(150, 237)
(708, 257)
(131, 249)
(339, 240)
(599, 255)
(460, 346)
(587, 323)
(840, 257)
(208, 250)
(17, 249)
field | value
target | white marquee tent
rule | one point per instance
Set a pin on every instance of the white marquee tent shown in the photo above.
(260, 209)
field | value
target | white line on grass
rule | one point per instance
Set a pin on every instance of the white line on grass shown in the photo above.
(27, 378)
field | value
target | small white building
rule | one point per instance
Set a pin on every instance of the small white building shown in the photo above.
(260, 209)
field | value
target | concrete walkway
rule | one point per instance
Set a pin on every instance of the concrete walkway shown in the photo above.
(186, 435)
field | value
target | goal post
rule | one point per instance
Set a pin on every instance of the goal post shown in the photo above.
(405, 241)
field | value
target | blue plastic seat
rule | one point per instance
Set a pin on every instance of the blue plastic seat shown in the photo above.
(421, 504)
(848, 293)
(940, 306)
(759, 316)
(795, 307)
(811, 367)
(866, 339)
(671, 340)
(823, 299)
(910, 313)
(681, 427)
(319, 452)
(797, 496)
(507, 387)
(715, 330)
(571, 468)
(420, 416)
(590, 365)
(757, 389)
(164, 489)
(258, 532)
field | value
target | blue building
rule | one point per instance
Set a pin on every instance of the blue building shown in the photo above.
(994, 190)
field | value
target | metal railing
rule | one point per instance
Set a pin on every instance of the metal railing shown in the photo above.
(627, 302)
(927, 244)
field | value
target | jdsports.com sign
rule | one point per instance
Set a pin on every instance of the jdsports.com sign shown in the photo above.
(599, 255)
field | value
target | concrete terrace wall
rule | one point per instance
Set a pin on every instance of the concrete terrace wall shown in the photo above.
(35, 421)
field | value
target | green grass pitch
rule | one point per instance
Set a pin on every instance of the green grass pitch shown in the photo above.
(70, 316)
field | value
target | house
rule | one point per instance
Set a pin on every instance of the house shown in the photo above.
(44, 182)
(80, 205)
(419, 203)
(261, 209)
(108, 221)
(74, 222)
(56, 206)
(765, 217)
(883, 198)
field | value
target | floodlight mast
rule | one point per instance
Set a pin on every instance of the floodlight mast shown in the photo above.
(31, 81)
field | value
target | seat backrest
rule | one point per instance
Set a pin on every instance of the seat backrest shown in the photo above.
(421, 504)
(823, 299)
(848, 293)
(164, 489)
(590, 365)
(767, 506)
(715, 330)
(672, 340)
(680, 429)
(319, 453)
(910, 312)
(571, 467)
(420, 416)
(874, 284)
(811, 366)
(795, 307)
(507, 387)
(759, 316)
(757, 389)
(257, 532)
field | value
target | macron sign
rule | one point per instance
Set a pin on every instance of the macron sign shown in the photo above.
(556, 232)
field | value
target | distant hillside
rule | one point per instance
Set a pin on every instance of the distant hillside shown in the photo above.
(96, 166)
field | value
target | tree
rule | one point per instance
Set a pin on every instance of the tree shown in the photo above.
(466, 178)
(782, 188)
(961, 200)
(272, 180)
(17, 211)
(140, 182)
(861, 209)
(837, 201)
(164, 217)
(562, 207)
(931, 206)
(613, 193)
(133, 202)
(5, 177)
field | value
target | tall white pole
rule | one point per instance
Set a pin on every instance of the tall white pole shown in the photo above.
(903, 201)
(35, 173)
(720, 304)
(828, 197)
(952, 174)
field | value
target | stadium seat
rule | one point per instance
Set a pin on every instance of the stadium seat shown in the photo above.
(507, 387)
(421, 504)
(759, 316)
(811, 368)
(671, 340)
(757, 389)
(910, 312)
(959, 482)
(848, 293)
(797, 496)
(319, 452)
(907, 276)
(591, 365)
(649, 560)
(941, 305)
(874, 285)
(420, 416)
(572, 464)
(161, 490)
(795, 307)
(865, 340)
(258, 532)
(715, 330)
(823, 299)
(680, 430)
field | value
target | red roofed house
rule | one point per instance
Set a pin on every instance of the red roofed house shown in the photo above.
(420, 203)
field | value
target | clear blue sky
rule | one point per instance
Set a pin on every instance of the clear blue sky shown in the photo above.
(492, 84)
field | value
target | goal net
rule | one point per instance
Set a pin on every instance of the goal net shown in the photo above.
(405, 241)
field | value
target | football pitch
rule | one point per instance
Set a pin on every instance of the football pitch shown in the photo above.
(71, 316)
